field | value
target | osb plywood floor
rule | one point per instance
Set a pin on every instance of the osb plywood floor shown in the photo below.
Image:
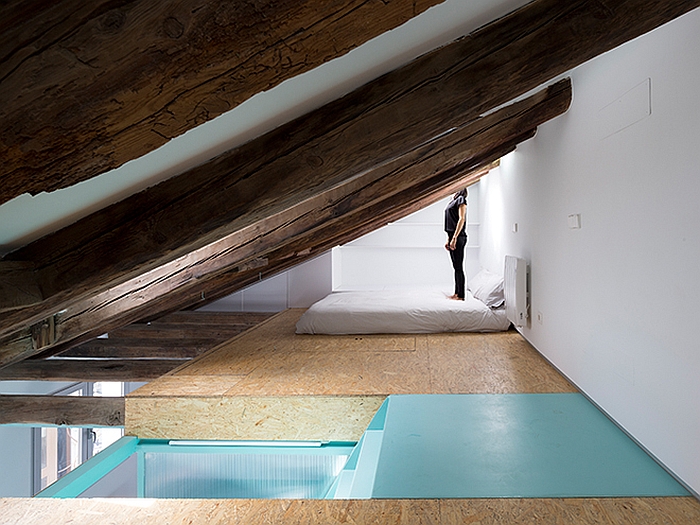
(271, 361)
(613, 511)
(270, 383)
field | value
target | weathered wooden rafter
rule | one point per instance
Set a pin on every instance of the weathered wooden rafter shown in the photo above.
(180, 335)
(18, 285)
(62, 410)
(59, 369)
(371, 218)
(139, 352)
(135, 257)
(371, 125)
(74, 75)
(329, 216)
(136, 348)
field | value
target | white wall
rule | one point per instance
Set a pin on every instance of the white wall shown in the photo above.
(298, 287)
(408, 253)
(619, 296)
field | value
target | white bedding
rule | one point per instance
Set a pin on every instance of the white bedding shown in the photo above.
(416, 311)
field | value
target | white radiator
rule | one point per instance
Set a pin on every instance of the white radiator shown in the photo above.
(515, 290)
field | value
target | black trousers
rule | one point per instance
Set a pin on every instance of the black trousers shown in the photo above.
(457, 257)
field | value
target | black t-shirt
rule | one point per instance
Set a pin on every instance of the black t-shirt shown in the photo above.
(452, 215)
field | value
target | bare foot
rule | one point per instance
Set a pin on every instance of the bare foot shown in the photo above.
(456, 297)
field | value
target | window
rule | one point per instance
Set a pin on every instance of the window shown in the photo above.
(58, 450)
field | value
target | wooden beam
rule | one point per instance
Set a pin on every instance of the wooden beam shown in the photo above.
(166, 240)
(19, 286)
(139, 348)
(174, 333)
(362, 223)
(197, 319)
(179, 335)
(87, 86)
(436, 161)
(374, 124)
(89, 369)
(291, 255)
(62, 410)
(203, 325)
(314, 244)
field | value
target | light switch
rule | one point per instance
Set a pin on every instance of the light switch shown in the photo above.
(575, 221)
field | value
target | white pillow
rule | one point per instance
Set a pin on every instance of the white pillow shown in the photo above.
(488, 288)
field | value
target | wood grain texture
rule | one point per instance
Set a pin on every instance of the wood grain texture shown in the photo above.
(500, 363)
(118, 264)
(19, 286)
(89, 369)
(609, 511)
(181, 335)
(206, 385)
(62, 410)
(269, 417)
(612, 511)
(296, 230)
(127, 348)
(85, 87)
(268, 374)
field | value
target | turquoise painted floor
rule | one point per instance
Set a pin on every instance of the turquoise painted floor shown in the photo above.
(513, 445)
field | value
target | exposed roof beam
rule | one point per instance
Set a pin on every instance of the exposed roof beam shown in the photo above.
(62, 410)
(74, 75)
(377, 122)
(339, 214)
(59, 369)
(134, 348)
(180, 335)
(19, 286)
(167, 239)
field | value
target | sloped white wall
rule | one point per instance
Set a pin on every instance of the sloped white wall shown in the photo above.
(408, 253)
(618, 298)
(298, 287)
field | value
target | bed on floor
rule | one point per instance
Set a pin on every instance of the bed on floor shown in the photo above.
(409, 311)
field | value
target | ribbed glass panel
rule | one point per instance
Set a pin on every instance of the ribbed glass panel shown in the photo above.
(176, 475)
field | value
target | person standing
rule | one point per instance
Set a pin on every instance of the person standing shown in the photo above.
(455, 226)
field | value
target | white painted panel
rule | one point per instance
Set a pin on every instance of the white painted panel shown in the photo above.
(16, 462)
(617, 298)
(626, 110)
(230, 303)
(310, 282)
(404, 235)
(337, 267)
(269, 295)
(515, 290)
(376, 268)
(298, 287)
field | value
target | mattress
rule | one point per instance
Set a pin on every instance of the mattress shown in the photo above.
(405, 311)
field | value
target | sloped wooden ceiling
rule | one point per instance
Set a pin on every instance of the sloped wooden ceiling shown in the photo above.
(88, 86)
(400, 142)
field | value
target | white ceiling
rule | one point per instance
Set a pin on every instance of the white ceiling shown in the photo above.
(28, 218)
